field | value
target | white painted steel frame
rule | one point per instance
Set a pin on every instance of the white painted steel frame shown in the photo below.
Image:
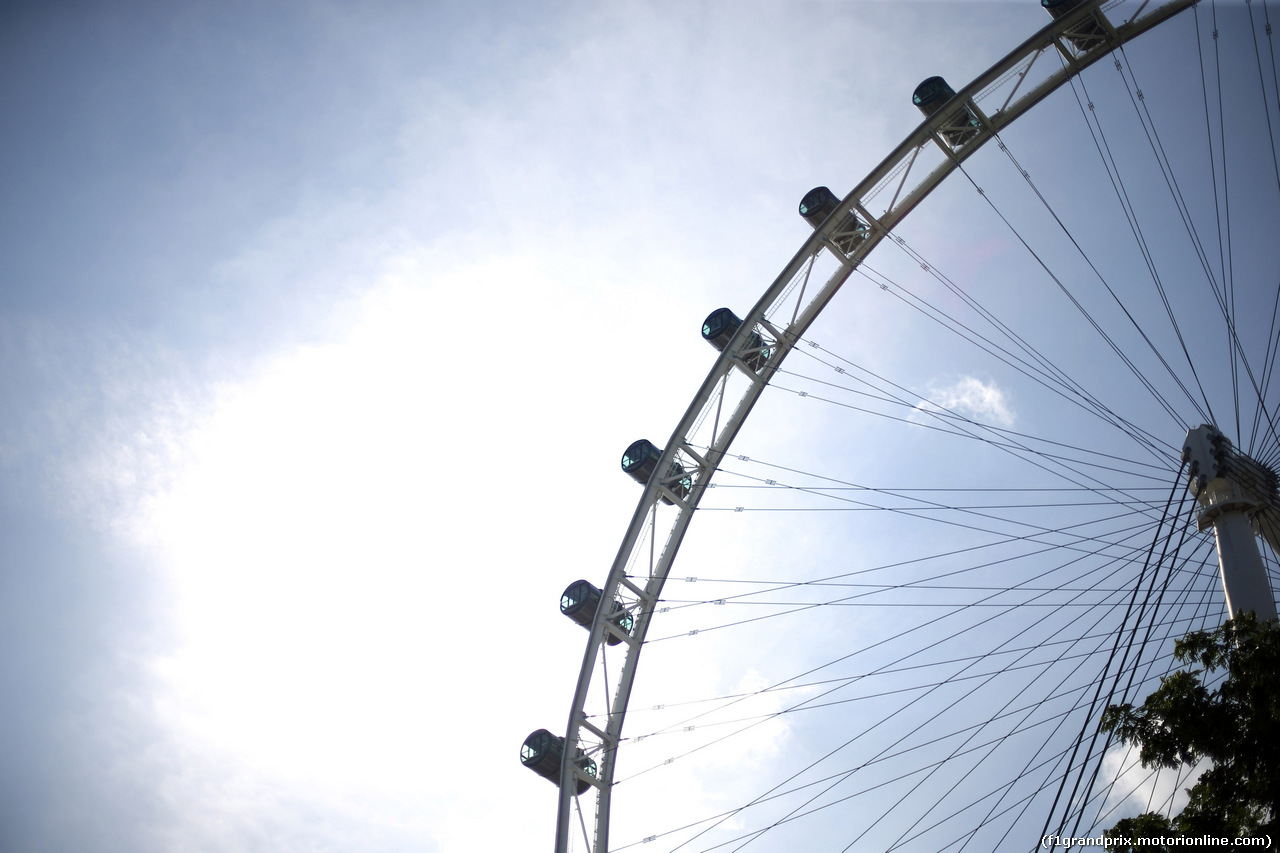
(1007, 85)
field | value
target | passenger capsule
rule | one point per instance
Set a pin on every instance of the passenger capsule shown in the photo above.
(819, 203)
(934, 94)
(1088, 33)
(930, 95)
(641, 460)
(580, 602)
(541, 753)
(720, 327)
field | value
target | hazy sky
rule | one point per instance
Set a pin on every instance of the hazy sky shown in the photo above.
(323, 326)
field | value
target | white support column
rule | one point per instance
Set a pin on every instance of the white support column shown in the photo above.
(1244, 578)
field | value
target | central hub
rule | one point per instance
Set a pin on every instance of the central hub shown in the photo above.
(1225, 480)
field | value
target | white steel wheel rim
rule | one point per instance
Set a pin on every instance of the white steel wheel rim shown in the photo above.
(594, 732)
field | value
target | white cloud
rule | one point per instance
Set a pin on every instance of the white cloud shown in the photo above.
(1133, 789)
(968, 397)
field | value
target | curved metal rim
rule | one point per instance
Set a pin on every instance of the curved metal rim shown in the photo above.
(1017, 64)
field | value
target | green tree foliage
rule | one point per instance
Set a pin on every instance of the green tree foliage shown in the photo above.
(1234, 725)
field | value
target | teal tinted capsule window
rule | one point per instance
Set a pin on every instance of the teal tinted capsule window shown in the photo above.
(581, 600)
(817, 204)
(541, 753)
(626, 622)
(931, 94)
(640, 459)
(719, 327)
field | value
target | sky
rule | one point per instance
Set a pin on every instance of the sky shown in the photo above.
(322, 329)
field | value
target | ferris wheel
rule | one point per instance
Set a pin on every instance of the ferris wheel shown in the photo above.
(1077, 465)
